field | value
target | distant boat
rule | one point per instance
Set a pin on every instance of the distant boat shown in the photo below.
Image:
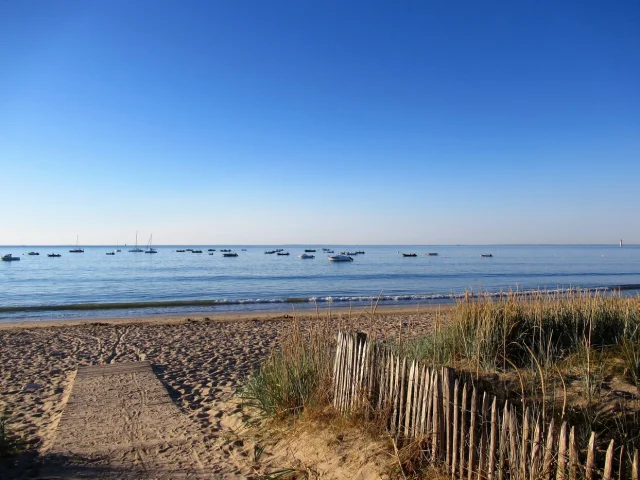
(225, 250)
(195, 251)
(340, 258)
(328, 251)
(136, 250)
(229, 254)
(117, 245)
(211, 250)
(150, 249)
(360, 252)
(244, 249)
(269, 252)
(76, 250)
(310, 250)
(53, 255)
(283, 253)
(433, 254)
(306, 255)
(10, 258)
(33, 253)
(486, 255)
(111, 253)
(409, 255)
(180, 251)
(620, 242)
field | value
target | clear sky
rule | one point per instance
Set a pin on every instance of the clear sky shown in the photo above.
(268, 122)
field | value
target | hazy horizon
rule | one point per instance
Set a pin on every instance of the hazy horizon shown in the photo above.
(288, 122)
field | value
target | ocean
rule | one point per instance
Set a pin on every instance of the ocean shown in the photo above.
(87, 285)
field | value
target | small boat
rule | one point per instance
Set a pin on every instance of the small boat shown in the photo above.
(225, 250)
(244, 249)
(180, 251)
(211, 250)
(196, 251)
(360, 252)
(110, 253)
(33, 253)
(433, 254)
(283, 253)
(306, 255)
(486, 255)
(409, 255)
(279, 250)
(230, 254)
(340, 258)
(328, 251)
(269, 252)
(188, 250)
(53, 255)
(10, 258)
(310, 250)
(76, 250)
(150, 249)
(136, 250)
(210, 253)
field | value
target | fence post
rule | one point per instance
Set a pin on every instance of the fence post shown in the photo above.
(436, 425)
(426, 394)
(410, 383)
(482, 453)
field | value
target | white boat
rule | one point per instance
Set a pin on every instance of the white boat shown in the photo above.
(150, 249)
(9, 258)
(306, 255)
(340, 258)
(136, 250)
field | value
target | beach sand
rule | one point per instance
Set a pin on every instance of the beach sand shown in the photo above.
(202, 362)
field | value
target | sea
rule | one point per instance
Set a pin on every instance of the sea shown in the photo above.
(95, 285)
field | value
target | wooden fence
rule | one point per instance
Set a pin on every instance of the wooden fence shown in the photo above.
(472, 434)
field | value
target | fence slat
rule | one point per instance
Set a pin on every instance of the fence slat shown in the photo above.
(502, 462)
(410, 384)
(591, 457)
(608, 463)
(472, 436)
(456, 429)
(573, 455)
(396, 394)
(447, 377)
(635, 467)
(425, 401)
(621, 465)
(436, 425)
(494, 438)
(463, 431)
(535, 451)
(482, 451)
(401, 405)
(513, 442)
(524, 445)
(548, 452)
(562, 453)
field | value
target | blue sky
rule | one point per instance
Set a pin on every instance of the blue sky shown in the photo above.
(320, 122)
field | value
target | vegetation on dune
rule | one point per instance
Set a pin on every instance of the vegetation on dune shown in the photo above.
(10, 443)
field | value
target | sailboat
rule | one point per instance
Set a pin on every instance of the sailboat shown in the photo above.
(76, 250)
(136, 250)
(149, 248)
(620, 242)
(117, 245)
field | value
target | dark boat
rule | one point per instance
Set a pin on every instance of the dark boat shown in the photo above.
(196, 251)
(285, 253)
(269, 252)
(225, 250)
(486, 255)
(211, 250)
(409, 255)
(433, 254)
(309, 250)
(360, 252)
(180, 251)
(33, 253)
(110, 253)
(53, 255)
(229, 254)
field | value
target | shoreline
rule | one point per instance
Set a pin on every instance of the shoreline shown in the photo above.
(226, 317)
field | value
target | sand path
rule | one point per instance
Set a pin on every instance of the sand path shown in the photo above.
(120, 421)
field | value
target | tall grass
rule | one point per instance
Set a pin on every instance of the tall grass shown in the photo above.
(296, 376)
(513, 331)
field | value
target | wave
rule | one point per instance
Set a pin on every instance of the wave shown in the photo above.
(430, 297)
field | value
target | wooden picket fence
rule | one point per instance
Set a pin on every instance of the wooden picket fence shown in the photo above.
(473, 435)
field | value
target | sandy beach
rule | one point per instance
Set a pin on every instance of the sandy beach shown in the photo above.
(201, 362)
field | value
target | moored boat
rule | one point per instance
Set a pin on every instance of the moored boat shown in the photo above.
(283, 253)
(432, 254)
(76, 250)
(409, 255)
(232, 254)
(53, 255)
(33, 253)
(306, 255)
(486, 255)
(10, 258)
(136, 249)
(340, 258)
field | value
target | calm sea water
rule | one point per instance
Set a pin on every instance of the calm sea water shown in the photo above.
(255, 281)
